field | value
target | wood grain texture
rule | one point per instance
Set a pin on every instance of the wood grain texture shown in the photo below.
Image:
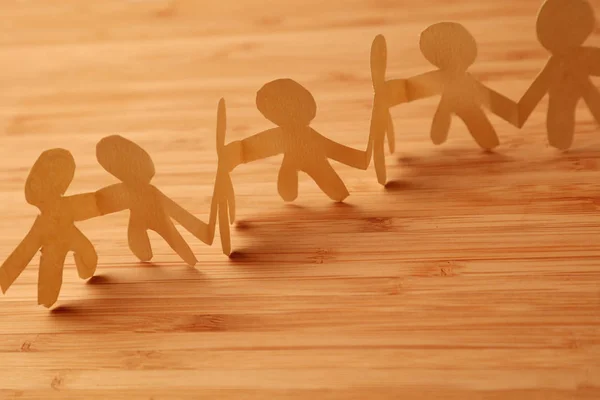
(470, 276)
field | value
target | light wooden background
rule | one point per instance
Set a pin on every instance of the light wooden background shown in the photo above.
(472, 276)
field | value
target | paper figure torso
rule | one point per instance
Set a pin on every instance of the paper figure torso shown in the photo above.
(461, 92)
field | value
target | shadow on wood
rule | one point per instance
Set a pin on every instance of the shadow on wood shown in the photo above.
(300, 235)
(100, 280)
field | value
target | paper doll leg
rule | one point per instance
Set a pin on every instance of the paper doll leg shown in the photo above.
(231, 202)
(561, 121)
(139, 243)
(328, 181)
(380, 123)
(86, 258)
(50, 276)
(391, 133)
(480, 128)
(592, 99)
(379, 158)
(440, 126)
(224, 228)
(20, 257)
(287, 180)
(172, 236)
(5, 281)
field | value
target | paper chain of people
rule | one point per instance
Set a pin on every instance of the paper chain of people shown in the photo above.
(562, 28)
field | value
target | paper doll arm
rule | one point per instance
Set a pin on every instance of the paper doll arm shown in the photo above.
(592, 58)
(536, 92)
(187, 220)
(424, 85)
(214, 208)
(499, 104)
(344, 154)
(418, 87)
(262, 145)
(113, 198)
(394, 92)
(84, 206)
(21, 256)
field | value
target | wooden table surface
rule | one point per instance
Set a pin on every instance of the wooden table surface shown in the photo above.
(471, 276)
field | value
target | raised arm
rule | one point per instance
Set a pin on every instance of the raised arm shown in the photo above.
(21, 256)
(113, 198)
(192, 224)
(262, 145)
(536, 91)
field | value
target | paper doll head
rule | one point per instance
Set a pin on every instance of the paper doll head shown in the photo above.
(286, 103)
(448, 46)
(125, 160)
(564, 24)
(49, 177)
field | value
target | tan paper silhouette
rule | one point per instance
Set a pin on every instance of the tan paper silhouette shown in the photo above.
(562, 28)
(149, 208)
(223, 201)
(54, 230)
(451, 48)
(292, 107)
(381, 119)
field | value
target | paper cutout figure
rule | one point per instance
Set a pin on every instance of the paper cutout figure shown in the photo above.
(292, 107)
(451, 48)
(562, 28)
(223, 201)
(54, 230)
(149, 208)
(381, 119)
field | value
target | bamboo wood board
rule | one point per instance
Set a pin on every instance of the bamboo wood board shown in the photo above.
(470, 276)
